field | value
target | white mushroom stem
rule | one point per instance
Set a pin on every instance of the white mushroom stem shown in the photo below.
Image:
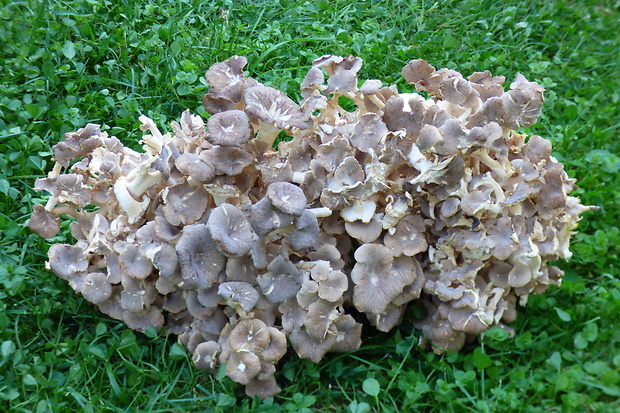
(155, 141)
(143, 179)
(65, 210)
(55, 171)
(298, 177)
(322, 212)
(51, 203)
(133, 208)
(267, 133)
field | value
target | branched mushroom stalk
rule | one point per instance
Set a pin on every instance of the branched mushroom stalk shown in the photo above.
(235, 246)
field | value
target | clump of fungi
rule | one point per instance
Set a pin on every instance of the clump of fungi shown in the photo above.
(236, 247)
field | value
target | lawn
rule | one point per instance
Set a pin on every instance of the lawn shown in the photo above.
(67, 63)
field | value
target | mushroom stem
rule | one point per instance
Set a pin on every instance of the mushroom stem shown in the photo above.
(55, 171)
(51, 203)
(267, 133)
(66, 210)
(322, 212)
(156, 141)
(144, 179)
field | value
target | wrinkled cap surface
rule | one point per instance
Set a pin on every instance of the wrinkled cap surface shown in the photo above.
(272, 106)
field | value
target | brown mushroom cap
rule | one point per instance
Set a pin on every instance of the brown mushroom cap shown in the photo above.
(249, 335)
(243, 366)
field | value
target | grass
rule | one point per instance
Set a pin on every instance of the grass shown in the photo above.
(66, 63)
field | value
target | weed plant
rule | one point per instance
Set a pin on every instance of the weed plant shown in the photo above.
(66, 63)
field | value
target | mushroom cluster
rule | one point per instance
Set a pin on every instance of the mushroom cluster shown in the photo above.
(236, 246)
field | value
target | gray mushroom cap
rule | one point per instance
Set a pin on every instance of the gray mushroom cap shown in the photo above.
(133, 263)
(265, 218)
(263, 388)
(190, 164)
(281, 282)
(349, 334)
(306, 232)
(230, 230)
(310, 348)
(365, 232)
(200, 261)
(205, 355)
(342, 82)
(151, 317)
(423, 75)
(44, 223)
(277, 346)
(97, 288)
(321, 316)
(287, 197)
(408, 238)
(376, 285)
(229, 128)
(226, 78)
(273, 106)
(77, 144)
(227, 160)
(239, 293)
(184, 203)
(67, 261)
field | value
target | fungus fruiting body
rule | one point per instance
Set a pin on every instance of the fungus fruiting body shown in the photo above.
(236, 246)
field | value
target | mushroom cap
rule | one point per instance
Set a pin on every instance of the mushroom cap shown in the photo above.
(310, 348)
(151, 317)
(229, 128)
(227, 160)
(97, 288)
(190, 164)
(306, 232)
(249, 335)
(227, 78)
(230, 230)
(349, 336)
(281, 282)
(243, 366)
(205, 355)
(200, 261)
(376, 285)
(408, 238)
(44, 223)
(365, 232)
(263, 388)
(133, 263)
(184, 204)
(277, 346)
(265, 218)
(67, 261)
(321, 316)
(273, 106)
(287, 197)
(240, 293)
